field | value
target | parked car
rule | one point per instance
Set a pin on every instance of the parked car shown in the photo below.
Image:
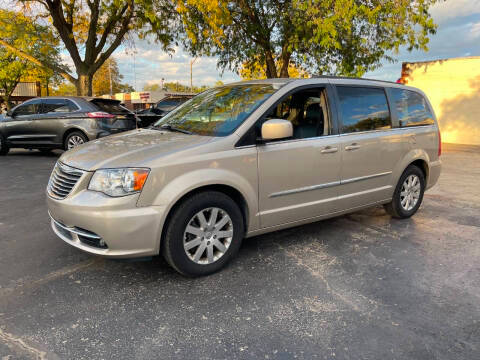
(160, 109)
(62, 122)
(246, 159)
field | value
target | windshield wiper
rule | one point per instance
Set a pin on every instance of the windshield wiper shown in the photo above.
(173, 128)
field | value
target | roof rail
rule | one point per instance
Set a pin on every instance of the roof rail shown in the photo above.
(352, 78)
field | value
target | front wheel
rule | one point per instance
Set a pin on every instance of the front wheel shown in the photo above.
(408, 194)
(204, 232)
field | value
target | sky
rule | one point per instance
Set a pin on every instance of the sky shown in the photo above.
(458, 35)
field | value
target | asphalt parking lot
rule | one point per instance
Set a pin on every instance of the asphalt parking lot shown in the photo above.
(361, 286)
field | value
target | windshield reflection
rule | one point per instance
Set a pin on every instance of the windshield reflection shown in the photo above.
(218, 111)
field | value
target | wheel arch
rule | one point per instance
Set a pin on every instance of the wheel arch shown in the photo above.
(228, 190)
(423, 165)
(72, 130)
(415, 157)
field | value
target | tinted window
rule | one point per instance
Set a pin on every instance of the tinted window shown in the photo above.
(29, 108)
(58, 106)
(363, 109)
(111, 107)
(412, 108)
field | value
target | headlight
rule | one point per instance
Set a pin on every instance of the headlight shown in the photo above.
(118, 182)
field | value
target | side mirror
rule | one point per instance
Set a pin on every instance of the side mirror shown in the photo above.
(276, 129)
(10, 113)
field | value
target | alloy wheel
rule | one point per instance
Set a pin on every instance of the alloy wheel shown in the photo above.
(74, 141)
(208, 235)
(410, 192)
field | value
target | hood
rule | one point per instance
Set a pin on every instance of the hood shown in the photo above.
(130, 149)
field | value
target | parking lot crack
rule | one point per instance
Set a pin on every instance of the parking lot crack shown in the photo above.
(21, 346)
(21, 286)
(318, 274)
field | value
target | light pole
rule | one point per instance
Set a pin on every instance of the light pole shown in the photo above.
(110, 75)
(191, 73)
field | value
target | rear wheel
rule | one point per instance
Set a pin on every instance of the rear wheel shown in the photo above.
(408, 194)
(4, 148)
(204, 232)
(74, 139)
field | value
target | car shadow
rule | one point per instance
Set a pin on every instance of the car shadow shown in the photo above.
(34, 153)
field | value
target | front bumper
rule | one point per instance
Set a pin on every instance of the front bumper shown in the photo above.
(102, 225)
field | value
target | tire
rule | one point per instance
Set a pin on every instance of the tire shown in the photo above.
(186, 217)
(4, 148)
(74, 139)
(401, 205)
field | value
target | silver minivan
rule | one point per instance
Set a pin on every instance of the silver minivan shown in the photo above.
(242, 160)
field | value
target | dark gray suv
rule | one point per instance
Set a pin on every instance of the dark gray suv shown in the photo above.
(62, 122)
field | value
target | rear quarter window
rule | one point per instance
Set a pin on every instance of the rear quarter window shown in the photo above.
(412, 108)
(363, 109)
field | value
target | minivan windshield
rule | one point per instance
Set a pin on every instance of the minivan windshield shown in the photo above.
(218, 111)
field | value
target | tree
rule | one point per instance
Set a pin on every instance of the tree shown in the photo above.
(11, 71)
(175, 87)
(65, 89)
(346, 37)
(31, 38)
(152, 87)
(109, 71)
(96, 28)
(253, 69)
(125, 88)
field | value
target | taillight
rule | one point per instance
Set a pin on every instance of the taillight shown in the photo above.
(439, 143)
(100, 114)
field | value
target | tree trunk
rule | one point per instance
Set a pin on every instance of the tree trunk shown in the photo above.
(285, 62)
(271, 70)
(7, 102)
(84, 85)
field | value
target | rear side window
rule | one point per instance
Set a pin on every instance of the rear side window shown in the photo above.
(363, 109)
(58, 106)
(111, 107)
(412, 108)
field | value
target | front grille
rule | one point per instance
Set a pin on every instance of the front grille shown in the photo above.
(62, 180)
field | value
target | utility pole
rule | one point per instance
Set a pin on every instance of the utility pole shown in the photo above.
(110, 74)
(191, 73)
(134, 72)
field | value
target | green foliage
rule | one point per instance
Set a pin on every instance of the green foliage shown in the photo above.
(101, 79)
(91, 30)
(31, 38)
(152, 87)
(11, 72)
(65, 89)
(347, 37)
(175, 87)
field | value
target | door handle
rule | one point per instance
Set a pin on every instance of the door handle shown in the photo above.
(353, 146)
(328, 150)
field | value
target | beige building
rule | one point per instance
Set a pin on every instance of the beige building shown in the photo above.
(453, 87)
